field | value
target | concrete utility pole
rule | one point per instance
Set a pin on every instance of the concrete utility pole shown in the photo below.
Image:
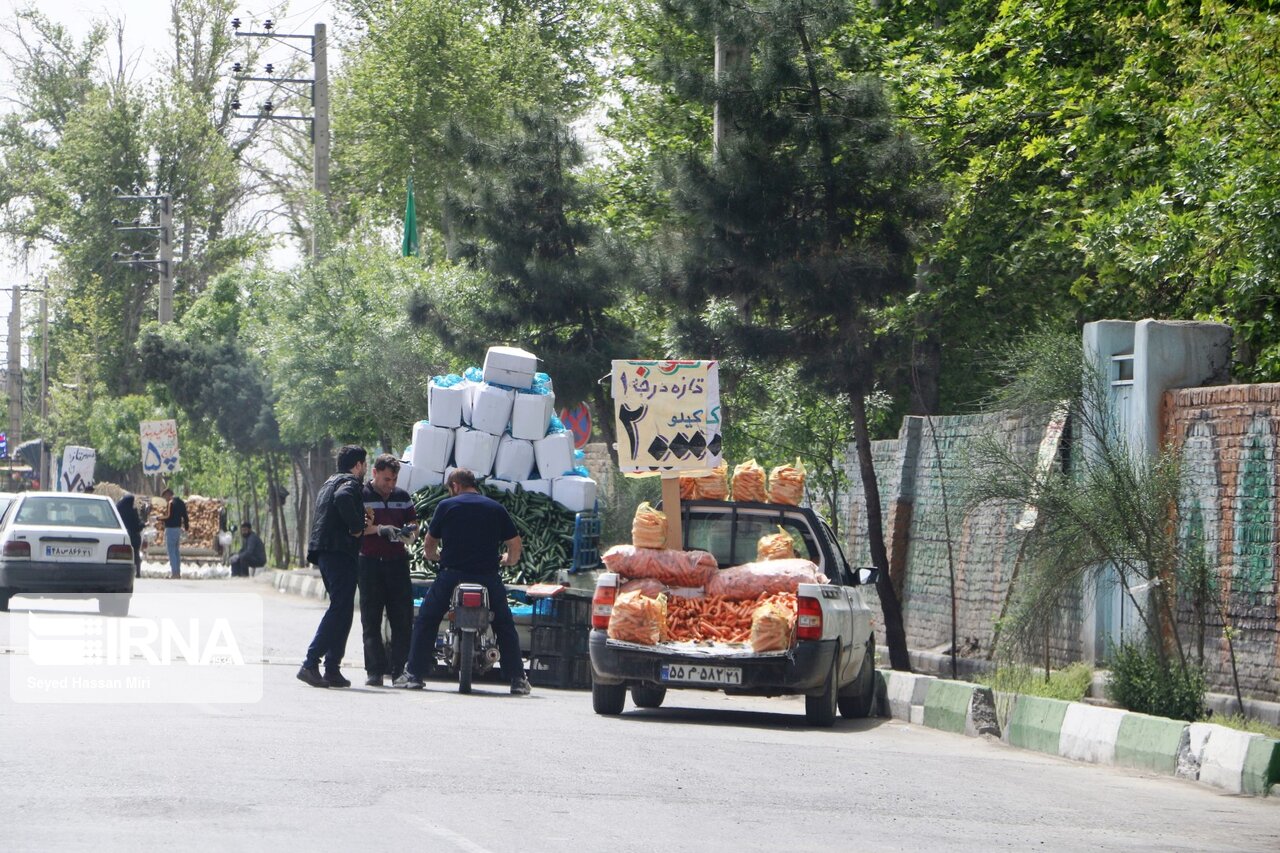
(319, 102)
(15, 371)
(164, 235)
(44, 382)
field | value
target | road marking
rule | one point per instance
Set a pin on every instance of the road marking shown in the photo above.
(459, 841)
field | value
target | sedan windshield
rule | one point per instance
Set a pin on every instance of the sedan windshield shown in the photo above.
(67, 511)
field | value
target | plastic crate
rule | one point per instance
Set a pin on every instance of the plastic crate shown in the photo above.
(586, 542)
(562, 642)
(565, 673)
(562, 611)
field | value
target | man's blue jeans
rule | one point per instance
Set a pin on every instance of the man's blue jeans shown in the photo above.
(422, 646)
(172, 541)
(339, 572)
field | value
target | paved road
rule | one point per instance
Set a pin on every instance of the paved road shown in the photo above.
(365, 768)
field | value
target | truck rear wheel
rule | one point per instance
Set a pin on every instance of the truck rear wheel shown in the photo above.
(856, 701)
(648, 695)
(608, 698)
(821, 710)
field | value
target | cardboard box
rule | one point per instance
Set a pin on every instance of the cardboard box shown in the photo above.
(554, 455)
(432, 446)
(510, 366)
(404, 477)
(542, 487)
(491, 408)
(422, 478)
(445, 405)
(498, 483)
(531, 415)
(576, 494)
(475, 450)
(514, 460)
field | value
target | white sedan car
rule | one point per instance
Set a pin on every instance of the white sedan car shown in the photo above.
(54, 543)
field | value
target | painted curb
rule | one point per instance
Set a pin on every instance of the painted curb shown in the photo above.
(960, 707)
(1262, 766)
(295, 582)
(1151, 743)
(1036, 723)
(1089, 733)
(905, 693)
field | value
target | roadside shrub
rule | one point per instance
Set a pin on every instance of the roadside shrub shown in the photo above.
(1140, 681)
(1070, 683)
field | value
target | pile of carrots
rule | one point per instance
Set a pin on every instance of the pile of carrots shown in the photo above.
(716, 618)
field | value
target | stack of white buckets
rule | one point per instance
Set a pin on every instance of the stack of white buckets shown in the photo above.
(498, 428)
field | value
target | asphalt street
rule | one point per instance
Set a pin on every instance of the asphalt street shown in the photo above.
(369, 768)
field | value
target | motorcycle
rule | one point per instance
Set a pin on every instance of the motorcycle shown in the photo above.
(470, 649)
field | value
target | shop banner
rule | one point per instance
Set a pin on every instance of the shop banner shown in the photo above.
(668, 415)
(159, 447)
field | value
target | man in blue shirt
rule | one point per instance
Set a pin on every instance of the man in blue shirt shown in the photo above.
(471, 528)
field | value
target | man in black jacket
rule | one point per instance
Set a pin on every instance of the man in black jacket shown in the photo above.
(334, 545)
(252, 553)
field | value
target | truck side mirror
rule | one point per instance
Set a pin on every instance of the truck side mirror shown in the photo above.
(867, 575)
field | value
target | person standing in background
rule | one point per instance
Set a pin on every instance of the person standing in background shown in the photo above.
(133, 526)
(176, 520)
(384, 573)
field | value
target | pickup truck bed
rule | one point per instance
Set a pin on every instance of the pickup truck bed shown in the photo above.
(834, 671)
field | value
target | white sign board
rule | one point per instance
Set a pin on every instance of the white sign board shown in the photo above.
(77, 468)
(668, 415)
(159, 447)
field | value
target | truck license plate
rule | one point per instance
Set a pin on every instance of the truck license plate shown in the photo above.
(728, 675)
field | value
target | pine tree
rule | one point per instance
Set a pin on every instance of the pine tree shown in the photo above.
(555, 284)
(797, 227)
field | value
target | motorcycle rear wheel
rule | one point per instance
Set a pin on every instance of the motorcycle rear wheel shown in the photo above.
(466, 660)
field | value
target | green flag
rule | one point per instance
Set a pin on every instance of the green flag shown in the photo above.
(409, 246)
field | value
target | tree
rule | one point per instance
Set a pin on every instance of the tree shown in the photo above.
(419, 65)
(552, 281)
(798, 229)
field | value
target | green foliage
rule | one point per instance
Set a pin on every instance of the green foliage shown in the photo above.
(1142, 680)
(422, 64)
(552, 281)
(619, 506)
(1070, 684)
(1242, 723)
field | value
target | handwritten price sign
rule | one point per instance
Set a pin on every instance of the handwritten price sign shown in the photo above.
(668, 415)
(77, 468)
(159, 447)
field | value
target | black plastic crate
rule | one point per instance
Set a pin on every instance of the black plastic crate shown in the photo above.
(562, 642)
(563, 611)
(565, 673)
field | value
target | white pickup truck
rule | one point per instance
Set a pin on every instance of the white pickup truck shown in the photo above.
(831, 661)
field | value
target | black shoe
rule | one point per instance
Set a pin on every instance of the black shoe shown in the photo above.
(521, 687)
(408, 681)
(373, 681)
(311, 675)
(335, 679)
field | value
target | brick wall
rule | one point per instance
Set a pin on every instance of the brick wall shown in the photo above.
(922, 477)
(1231, 477)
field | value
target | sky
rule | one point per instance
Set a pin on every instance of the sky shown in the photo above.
(146, 24)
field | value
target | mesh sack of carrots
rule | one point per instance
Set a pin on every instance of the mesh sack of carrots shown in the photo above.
(755, 579)
(651, 587)
(637, 618)
(715, 618)
(649, 527)
(673, 568)
(771, 627)
(749, 482)
(714, 486)
(775, 546)
(786, 484)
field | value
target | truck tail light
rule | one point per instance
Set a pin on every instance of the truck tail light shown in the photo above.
(17, 548)
(602, 601)
(808, 618)
(473, 599)
(121, 553)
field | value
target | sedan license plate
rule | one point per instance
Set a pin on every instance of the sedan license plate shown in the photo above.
(67, 552)
(699, 674)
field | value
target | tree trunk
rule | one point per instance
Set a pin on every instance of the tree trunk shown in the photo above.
(605, 423)
(890, 607)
